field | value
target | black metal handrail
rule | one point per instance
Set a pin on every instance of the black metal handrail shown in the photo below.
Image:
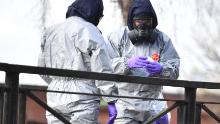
(11, 91)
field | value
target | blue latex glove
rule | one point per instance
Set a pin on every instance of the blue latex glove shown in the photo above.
(112, 113)
(163, 120)
(137, 62)
(153, 67)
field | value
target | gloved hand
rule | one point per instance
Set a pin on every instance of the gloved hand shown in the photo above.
(112, 113)
(153, 67)
(162, 120)
(137, 62)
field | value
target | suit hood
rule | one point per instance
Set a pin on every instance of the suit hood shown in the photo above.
(141, 8)
(90, 10)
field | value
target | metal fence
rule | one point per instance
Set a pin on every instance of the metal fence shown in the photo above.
(13, 95)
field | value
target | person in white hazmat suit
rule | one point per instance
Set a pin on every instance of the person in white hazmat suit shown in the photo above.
(77, 44)
(141, 50)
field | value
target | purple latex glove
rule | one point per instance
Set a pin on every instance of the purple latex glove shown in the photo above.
(163, 120)
(137, 62)
(112, 113)
(153, 67)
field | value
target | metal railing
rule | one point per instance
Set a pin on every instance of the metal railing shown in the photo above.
(13, 96)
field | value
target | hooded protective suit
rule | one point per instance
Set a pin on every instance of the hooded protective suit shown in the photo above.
(76, 44)
(136, 111)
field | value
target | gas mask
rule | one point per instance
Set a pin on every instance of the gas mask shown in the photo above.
(142, 31)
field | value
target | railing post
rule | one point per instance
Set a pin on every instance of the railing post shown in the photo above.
(11, 98)
(190, 97)
(22, 108)
(181, 114)
(1, 104)
(198, 113)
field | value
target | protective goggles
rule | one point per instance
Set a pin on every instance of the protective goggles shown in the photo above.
(146, 22)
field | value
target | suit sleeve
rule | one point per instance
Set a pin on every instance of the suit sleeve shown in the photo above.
(100, 62)
(170, 61)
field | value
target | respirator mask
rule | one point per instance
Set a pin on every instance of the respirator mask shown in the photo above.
(143, 30)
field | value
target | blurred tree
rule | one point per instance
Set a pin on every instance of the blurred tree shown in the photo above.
(45, 6)
(206, 34)
(39, 12)
(124, 4)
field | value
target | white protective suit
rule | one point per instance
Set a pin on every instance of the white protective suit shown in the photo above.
(136, 111)
(76, 45)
